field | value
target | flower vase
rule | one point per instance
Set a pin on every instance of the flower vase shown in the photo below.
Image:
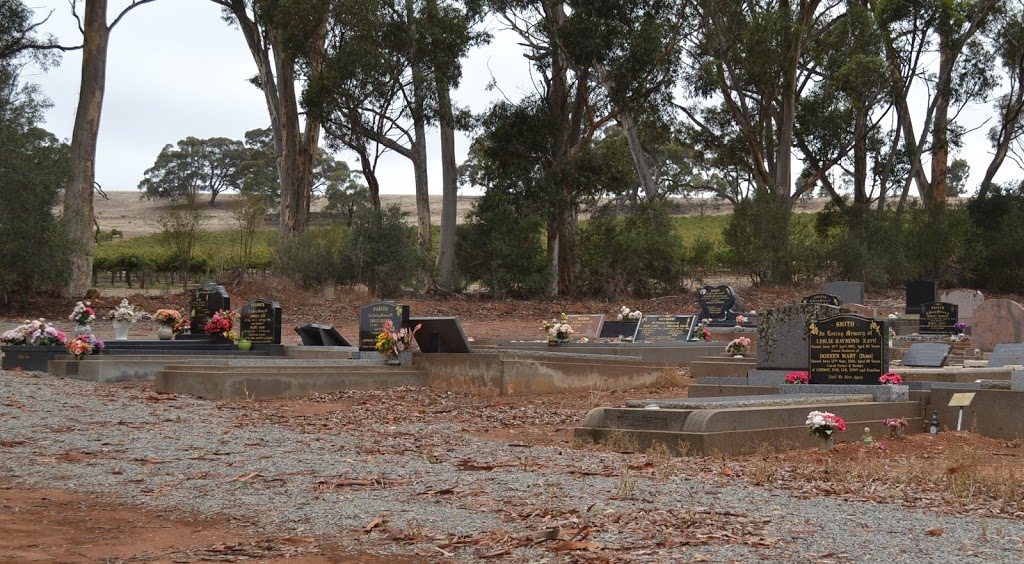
(121, 330)
(826, 443)
(244, 345)
(83, 329)
(895, 434)
(164, 332)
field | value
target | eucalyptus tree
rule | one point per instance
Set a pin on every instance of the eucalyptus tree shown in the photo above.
(595, 62)
(194, 165)
(1008, 39)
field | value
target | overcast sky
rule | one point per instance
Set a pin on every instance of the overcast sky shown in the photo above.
(176, 69)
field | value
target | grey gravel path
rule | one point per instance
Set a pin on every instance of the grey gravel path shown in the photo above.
(193, 456)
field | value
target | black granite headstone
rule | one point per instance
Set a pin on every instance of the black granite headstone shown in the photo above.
(822, 299)
(926, 355)
(920, 292)
(938, 318)
(613, 329)
(259, 322)
(664, 329)
(440, 335)
(316, 335)
(207, 300)
(1006, 354)
(719, 302)
(372, 318)
(847, 349)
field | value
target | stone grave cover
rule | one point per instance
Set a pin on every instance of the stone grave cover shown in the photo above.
(1006, 354)
(847, 349)
(997, 321)
(926, 355)
(847, 291)
(207, 300)
(823, 299)
(372, 318)
(665, 329)
(259, 322)
(440, 335)
(316, 335)
(920, 292)
(719, 302)
(782, 335)
(588, 326)
(938, 318)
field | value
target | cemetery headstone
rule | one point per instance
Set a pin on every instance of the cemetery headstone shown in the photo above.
(259, 322)
(823, 299)
(848, 292)
(926, 355)
(588, 326)
(997, 321)
(315, 335)
(920, 292)
(782, 335)
(614, 329)
(664, 329)
(719, 302)
(847, 349)
(440, 335)
(966, 301)
(938, 318)
(207, 300)
(372, 318)
(1006, 354)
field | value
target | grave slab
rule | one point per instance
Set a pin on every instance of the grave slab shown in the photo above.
(1006, 354)
(748, 401)
(926, 355)
(880, 393)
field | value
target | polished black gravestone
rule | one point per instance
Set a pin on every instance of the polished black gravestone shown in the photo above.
(926, 355)
(207, 300)
(665, 329)
(719, 302)
(847, 349)
(315, 335)
(259, 322)
(372, 318)
(822, 299)
(920, 292)
(1006, 354)
(440, 335)
(938, 318)
(614, 329)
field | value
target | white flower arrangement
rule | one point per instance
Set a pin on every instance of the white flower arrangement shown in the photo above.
(558, 329)
(123, 312)
(22, 334)
(626, 314)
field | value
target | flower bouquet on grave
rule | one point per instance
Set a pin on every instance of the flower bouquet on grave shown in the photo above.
(221, 324)
(625, 314)
(22, 334)
(891, 378)
(798, 378)
(182, 327)
(124, 312)
(167, 316)
(48, 336)
(84, 344)
(740, 320)
(959, 335)
(558, 329)
(896, 427)
(701, 331)
(737, 346)
(823, 425)
(391, 342)
(82, 314)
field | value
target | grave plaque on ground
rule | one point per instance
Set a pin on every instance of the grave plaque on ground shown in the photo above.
(588, 326)
(782, 335)
(440, 335)
(966, 301)
(920, 292)
(613, 329)
(926, 355)
(823, 299)
(848, 292)
(937, 318)
(1006, 354)
(372, 318)
(259, 322)
(847, 349)
(997, 321)
(664, 329)
(207, 300)
(719, 302)
(315, 335)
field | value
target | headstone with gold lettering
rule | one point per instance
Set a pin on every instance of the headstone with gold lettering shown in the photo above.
(664, 329)
(719, 302)
(372, 318)
(588, 326)
(207, 300)
(938, 318)
(847, 349)
(259, 322)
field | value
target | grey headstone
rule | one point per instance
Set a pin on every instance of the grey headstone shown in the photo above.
(926, 355)
(966, 301)
(1006, 354)
(588, 326)
(782, 335)
(848, 292)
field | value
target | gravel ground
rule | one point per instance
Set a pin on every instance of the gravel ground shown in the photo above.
(433, 485)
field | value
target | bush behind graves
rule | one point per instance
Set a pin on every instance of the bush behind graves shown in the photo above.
(758, 239)
(999, 223)
(381, 250)
(501, 247)
(315, 257)
(637, 255)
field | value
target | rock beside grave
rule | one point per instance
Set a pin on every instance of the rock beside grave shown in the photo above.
(997, 321)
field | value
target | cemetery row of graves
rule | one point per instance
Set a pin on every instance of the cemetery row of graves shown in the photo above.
(770, 376)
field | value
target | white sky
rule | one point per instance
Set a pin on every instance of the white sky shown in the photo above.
(175, 69)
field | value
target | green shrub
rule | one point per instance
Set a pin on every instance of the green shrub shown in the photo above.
(501, 247)
(382, 250)
(998, 221)
(758, 238)
(315, 257)
(638, 255)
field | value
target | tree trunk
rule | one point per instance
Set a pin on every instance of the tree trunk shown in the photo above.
(860, 157)
(1009, 127)
(78, 195)
(636, 149)
(419, 143)
(940, 140)
(449, 190)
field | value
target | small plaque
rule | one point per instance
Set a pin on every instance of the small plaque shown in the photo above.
(847, 349)
(372, 318)
(588, 326)
(962, 399)
(664, 329)
(938, 318)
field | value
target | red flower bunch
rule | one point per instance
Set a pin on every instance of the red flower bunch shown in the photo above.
(220, 323)
(891, 378)
(798, 378)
